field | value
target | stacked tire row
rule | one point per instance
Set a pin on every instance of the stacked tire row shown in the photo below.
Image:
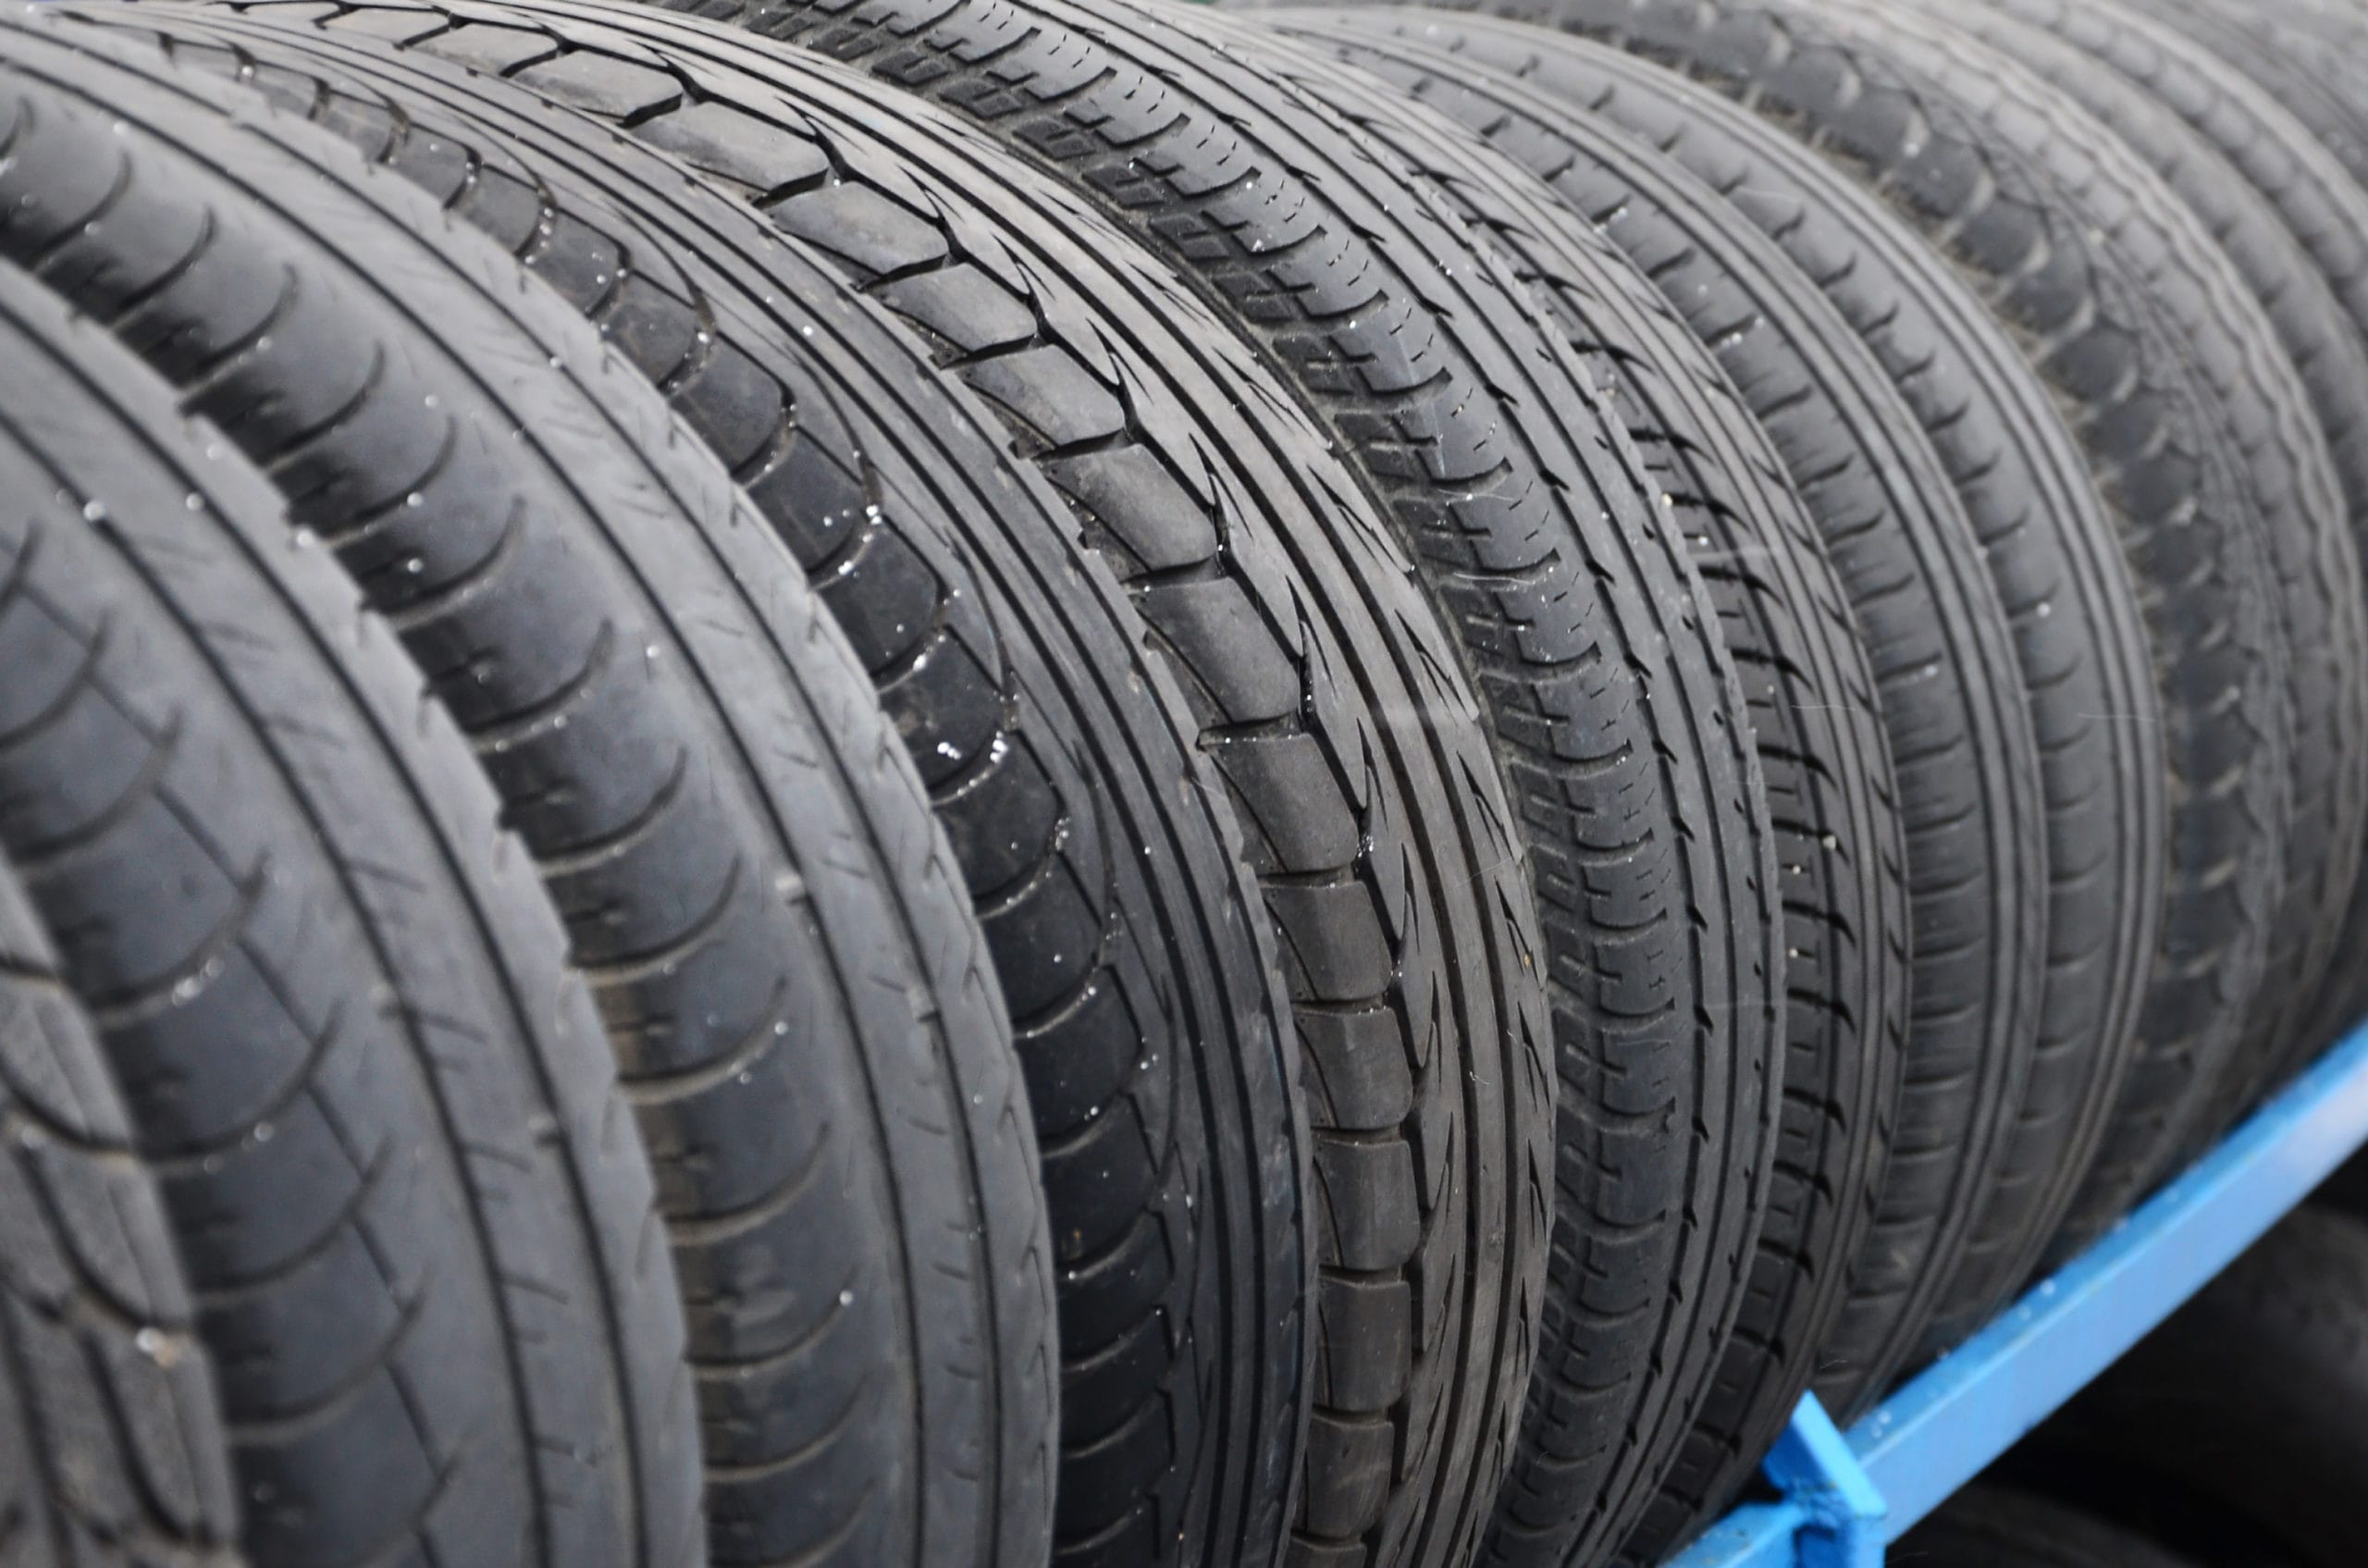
(1016, 782)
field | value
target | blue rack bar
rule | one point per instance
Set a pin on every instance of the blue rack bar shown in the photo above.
(1844, 1497)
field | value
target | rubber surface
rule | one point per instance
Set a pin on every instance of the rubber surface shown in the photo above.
(1861, 464)
(2331, 360)
(1950, 694)
(1083, 344)
(1981, 926)
(2295, 51)
(2255, 1394)
(2281, 53)
(1277, 213)
(2255, 406)
(1052, 741)
(1990, 1527)
(812, 1038)
(1267, 201)
(239, 820)
(112, 1447)
(2145, 334)
(1809, 691)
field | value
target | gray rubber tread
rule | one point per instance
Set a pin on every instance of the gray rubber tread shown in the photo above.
(1991, 1526)
(1010, 684)
(1815, 719)
(2311, 113)
(2331, 360)
(2076, 634)
(2149, 341)
(1949, 689)
(1389, 321)
(1408, 1163)
(2298, 50)
(1082, 341)
(239, 820)
(731, 831)
(2249, 400)
(112, 1448)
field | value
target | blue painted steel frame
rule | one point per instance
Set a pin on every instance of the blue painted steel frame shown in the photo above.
(1844, 1497)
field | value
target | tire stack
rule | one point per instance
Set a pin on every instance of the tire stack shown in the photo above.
(1012, 781)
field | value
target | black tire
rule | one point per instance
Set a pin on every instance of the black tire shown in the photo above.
(704, 781)
(2250, 400)
(1991, 1526)
(2255, 1393)
(419, 1243)
(2301, 86)
(1187, 468)
(2326, 611)
(1048, 733)
(112, 1448)
(2329, 31)
(2304, 55)
(2347, 1190)
(1984, 936)
(1949, 690)
(1275, 209)
(1790, 626)
(2146, 335)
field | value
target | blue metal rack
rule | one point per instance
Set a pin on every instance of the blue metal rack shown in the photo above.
(1844, 1496)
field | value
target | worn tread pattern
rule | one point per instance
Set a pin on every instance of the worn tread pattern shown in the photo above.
(2072, 618)
(113, 1452)
(1048, 736)
(1186, 471)
(810, 1032)
(1393, 325)
(1949, 689)
(2325, 611)
(2173, 384)
(2301, 52)
(1812, 698)
(2248, 404)
(238, 819)
(2312, 115)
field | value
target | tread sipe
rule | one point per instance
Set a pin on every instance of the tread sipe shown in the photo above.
(2278, 52)
(1122, 926)
(112, 1448)
(1811, 698)
(1540, 541)
(1984, 937)
(2303, 53)
(238, 821)
(2147, 339)
(2244, 402)
(1948, 690)
(2326, 617)
(1327, 695)
(810, 1032)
